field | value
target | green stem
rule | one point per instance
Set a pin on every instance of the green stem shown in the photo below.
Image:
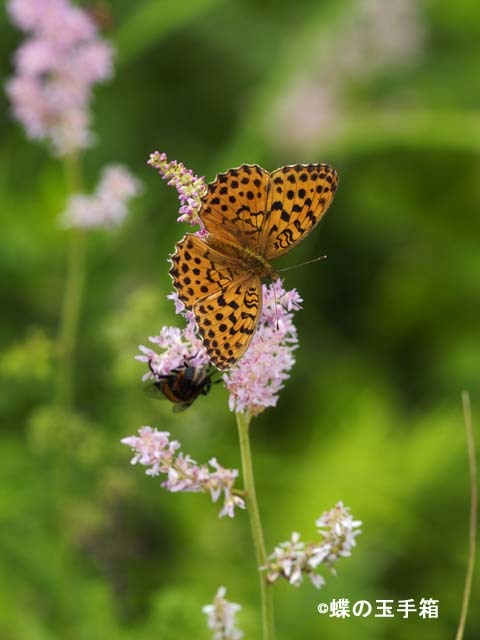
(64, 402)
(467, 414)
(72, 300)
(243, 424)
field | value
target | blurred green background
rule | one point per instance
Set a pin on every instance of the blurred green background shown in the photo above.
(388, 92)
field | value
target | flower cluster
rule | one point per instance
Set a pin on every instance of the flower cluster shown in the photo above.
(388, 33)
(56, 68)
(155, 449)
(375, 36)
(255, 381)
(190, 187)
(178, 348)
(107, 206)
(293, 559)
(221, 617)
(339, 530)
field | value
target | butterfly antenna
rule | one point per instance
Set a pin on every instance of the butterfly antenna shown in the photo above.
(302, 264)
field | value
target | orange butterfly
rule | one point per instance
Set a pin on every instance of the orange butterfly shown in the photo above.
(251, 217)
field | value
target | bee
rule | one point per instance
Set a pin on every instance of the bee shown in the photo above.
(183, 385)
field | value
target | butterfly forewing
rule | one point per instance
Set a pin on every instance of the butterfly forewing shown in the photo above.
(234, 205)
(298, 197)
(227, 320)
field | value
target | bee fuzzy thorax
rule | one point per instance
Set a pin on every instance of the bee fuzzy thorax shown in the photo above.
(184, 385)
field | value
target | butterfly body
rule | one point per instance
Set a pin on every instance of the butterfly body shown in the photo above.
(247, 259)
(184, 385)
(251, 216)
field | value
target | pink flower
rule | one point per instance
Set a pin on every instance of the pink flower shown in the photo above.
(375, 36)
(56, 68)
(58, 20)
(155, 450)
(255, 381)
(34, 57)
(117, 183)
(221, 617)
(339, 530)
(26, 14)
(295, 559)
(177, 347)
(107, 206)
(190, 187)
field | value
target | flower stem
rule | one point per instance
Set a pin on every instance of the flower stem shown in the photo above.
(64, 402)
(72, 299)
(467, 413)
(243, 424)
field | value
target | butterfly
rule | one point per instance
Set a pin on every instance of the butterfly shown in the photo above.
(251, 216)
(183, 385)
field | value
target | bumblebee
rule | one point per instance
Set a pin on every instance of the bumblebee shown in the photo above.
(183, 385)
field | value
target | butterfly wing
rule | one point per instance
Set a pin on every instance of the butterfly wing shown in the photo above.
(227, 320)
(198, 270)
(298, 197)
(234, 205)
(225, 299)
(250, 208)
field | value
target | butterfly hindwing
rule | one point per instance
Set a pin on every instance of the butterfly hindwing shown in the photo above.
(298, 197)
(198, 270)
(227, 320)
(234, 205)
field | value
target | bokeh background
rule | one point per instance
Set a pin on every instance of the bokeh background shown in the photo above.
(388, 92)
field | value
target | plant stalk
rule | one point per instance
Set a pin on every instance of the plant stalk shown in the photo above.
(64, 402)
(72, 300)
(266, 594)
(467, 414)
